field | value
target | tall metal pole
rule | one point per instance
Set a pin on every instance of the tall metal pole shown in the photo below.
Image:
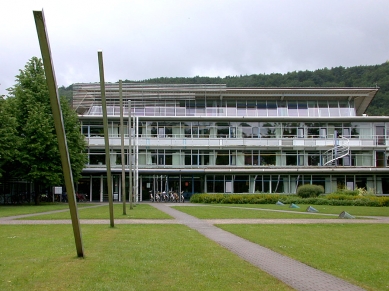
(59, 126)
(130, 154)
(122, 149)
(106, 137)
(134, 148)
(336, 143)
(137, 156)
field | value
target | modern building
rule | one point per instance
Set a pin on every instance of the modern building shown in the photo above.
(216, 139)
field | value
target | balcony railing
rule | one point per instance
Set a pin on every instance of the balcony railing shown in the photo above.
(240, 142)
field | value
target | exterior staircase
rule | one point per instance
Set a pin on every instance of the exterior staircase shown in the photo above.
(340, 150)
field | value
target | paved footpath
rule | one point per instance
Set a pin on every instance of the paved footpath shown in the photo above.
(291, 272)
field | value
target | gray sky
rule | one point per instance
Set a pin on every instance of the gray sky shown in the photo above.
(184, 38)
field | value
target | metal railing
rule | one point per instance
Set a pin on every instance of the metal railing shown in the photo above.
(339, 151)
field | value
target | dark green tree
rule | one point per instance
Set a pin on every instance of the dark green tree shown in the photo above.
(358, 76)
(38, 158)
(8, 136)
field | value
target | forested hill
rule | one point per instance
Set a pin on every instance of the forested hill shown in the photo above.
(359, 76)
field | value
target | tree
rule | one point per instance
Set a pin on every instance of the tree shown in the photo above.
(8, 137)
(38, 157)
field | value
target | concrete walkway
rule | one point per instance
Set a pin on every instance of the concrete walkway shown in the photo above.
(291, 272)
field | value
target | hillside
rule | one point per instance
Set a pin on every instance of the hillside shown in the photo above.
(358, 76)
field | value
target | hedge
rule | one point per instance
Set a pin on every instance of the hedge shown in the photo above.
(329, 199)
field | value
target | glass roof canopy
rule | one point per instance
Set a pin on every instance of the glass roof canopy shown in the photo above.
(233, 108)
(218, 100)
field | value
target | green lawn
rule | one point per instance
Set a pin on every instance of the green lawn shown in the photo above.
(173, 257)
(354, 210)
(139, 211)
(11, 210)
(357, 253)
(228, 211)
(127, 257)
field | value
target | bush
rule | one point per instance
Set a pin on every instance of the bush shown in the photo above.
(327, 199)
(347, 192)
(308, 190)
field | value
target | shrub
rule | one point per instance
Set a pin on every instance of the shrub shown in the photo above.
(327, 199)
(345, 191)
(364, 192)
(308, 190)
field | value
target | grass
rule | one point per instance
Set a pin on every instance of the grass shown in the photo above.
(328, 209)
(140, 211)
(356, 253)
(228, 211)
(128, 257)
(11, 210)
(160, 257)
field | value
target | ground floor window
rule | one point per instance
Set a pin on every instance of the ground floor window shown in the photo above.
(95, 186)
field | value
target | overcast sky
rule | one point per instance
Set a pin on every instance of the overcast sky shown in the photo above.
(184, 38)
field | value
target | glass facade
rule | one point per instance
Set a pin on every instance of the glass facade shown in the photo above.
(200, 139)
(233, 108)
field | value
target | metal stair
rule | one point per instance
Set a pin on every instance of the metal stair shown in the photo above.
(340, 150)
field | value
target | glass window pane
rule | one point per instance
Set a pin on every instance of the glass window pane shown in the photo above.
(334, 108)
(312, 108)
(282, 109)
(262, 111)
(292, 108)
(323, 108)
(272, 108)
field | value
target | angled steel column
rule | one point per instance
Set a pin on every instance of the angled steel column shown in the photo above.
(59, 126)
(122, 149)
(106, 137)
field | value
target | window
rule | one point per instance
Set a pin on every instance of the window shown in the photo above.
(292, 108)
(96, 157)
(323, 132)
(312, 108)
(256, 132)
(251, 110)
(232, 132)
(261, 108)
(231, 108)
(233, 158)
(282, 109)
(291, 158)
(346, 132)
(96, 130)
(268, 158)
(161, 132)
(313, 159)
(323, 108)
(246, 130)
(302, 108)
(248, 158)
(223, 129)
(271, 108)
(300, 132)
(334, 108)
(85, 130)
(195, 132)
(222, 158)
(241, 108)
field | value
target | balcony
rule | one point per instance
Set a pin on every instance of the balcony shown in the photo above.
(179, 142)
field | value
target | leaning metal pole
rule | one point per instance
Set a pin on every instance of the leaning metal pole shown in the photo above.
(59, 126)
(130, 189)
(106, 137)
(122, 149)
